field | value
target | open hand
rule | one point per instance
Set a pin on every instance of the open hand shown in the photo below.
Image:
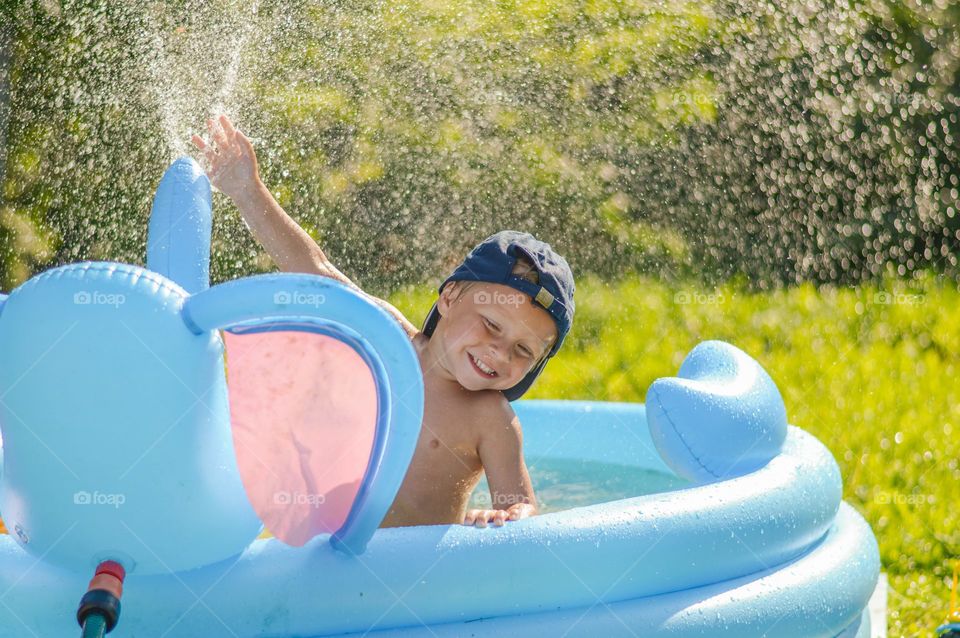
(231, 161)
(515, 512)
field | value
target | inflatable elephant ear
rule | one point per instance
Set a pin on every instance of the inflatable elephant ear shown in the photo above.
(303, 408)
(326, 398)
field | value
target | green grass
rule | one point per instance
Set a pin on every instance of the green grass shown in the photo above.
(875, 381)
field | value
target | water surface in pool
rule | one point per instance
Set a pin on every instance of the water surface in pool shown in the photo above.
(562, 484)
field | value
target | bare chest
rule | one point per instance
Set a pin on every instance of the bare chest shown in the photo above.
(447, 446)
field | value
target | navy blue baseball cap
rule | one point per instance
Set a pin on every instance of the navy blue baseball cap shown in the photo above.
(492, 261)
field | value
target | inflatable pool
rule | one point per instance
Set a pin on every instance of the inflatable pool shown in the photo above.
(154, 421)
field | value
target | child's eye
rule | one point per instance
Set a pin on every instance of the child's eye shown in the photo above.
(490, 324)
(526, 351)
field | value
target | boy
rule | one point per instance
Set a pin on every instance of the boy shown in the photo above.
(499, 317)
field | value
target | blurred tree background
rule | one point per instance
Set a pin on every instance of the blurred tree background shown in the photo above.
(798, 145)
(779, 140)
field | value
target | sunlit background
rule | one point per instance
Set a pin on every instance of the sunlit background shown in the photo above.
(780, 174)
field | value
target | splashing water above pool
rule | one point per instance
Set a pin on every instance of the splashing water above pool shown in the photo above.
(782, 140)
(195, 67)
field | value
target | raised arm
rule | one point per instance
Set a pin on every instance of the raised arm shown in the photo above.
(233, 169)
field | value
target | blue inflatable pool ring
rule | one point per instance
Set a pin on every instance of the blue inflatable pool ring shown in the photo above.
(151, 419)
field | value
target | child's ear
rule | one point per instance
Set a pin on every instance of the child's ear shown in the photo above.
(447, 296)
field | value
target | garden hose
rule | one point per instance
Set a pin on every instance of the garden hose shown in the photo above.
(99, 608)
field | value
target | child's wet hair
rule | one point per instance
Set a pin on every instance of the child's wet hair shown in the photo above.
(525, 269)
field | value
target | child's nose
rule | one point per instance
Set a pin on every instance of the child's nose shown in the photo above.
(500, 351)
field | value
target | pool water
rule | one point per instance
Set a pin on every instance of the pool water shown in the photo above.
(562, 484)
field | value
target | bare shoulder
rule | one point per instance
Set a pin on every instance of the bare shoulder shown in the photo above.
(494, 417)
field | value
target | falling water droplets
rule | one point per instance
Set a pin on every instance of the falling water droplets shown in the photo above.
(782, 140)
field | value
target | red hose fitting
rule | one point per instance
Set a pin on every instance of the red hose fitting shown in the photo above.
(109, 576)
(103, 594)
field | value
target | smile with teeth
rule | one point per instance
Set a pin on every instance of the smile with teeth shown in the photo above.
(481, 367)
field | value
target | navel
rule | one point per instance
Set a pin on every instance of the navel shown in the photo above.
(434, 443)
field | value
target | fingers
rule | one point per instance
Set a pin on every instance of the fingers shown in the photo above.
(227, 126)
(223, 146)
(476, 517)
(226, 141)
(480, 518)
(245, 144)
(209, 153)
(219, 136)
(520, 510)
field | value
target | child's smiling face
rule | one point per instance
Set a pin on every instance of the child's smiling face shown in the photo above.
(491, 335)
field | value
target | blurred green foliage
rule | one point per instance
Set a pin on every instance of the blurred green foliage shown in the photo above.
(751, 144)
(781, 140)
(416, 128)
(870, 371)
(75, 184)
